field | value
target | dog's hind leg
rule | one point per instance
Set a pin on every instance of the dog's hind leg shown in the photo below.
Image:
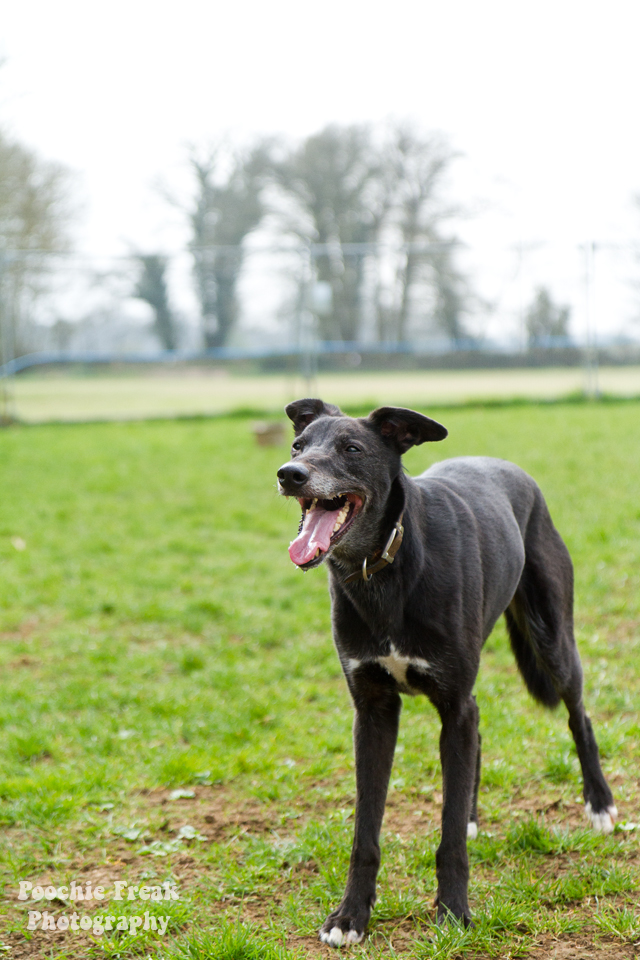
(459, 754)
(540, 623)
(472, 826)
(375, 731)
(599, 803)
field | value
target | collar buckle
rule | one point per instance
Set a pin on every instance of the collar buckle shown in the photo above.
(398, 531)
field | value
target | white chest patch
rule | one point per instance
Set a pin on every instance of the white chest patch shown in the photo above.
(396, 665)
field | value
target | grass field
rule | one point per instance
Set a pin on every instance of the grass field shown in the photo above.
(172, 708)
(159, 393)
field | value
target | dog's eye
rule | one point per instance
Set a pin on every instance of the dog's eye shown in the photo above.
(296, 445)
(352, 448)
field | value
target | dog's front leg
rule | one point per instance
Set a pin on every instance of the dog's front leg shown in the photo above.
(375, 731)
(458, 753)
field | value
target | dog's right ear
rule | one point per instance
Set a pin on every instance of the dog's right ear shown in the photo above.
(304, 412)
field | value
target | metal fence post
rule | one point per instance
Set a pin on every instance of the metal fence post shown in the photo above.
(7, 349)
(591, 385)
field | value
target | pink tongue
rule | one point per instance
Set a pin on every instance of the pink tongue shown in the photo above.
(316, 532)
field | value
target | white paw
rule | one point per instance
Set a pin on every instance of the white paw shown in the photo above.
(472, 830)
(336, 937)
(354, 937)
(602, 822)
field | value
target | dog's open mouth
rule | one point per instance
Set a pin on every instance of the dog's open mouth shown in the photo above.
(323, 523)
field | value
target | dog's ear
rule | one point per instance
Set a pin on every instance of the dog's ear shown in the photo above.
(304, 412)
(405, 428)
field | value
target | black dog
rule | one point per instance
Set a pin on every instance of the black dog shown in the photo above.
(420, 569)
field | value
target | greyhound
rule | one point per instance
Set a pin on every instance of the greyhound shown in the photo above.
(420, 569)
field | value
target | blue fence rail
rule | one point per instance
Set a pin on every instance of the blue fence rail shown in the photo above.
(437, 347)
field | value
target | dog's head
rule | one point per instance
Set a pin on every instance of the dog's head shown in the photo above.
(341, 470)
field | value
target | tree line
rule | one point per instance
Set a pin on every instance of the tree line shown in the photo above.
(368, 203)
(350, 194)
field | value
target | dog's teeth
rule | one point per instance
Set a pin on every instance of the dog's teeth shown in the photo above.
(317, 553)
(341, 518)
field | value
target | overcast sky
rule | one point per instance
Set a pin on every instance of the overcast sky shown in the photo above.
(541, 98)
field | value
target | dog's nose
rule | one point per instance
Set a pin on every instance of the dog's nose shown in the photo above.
(294, 474)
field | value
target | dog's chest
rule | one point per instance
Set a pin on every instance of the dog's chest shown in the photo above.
(406, 671)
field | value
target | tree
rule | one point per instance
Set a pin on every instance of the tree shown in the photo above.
(34, 219)
(418, 164)
(544, 318)
(227, 206)
(451, 294)
(340, 190)
(152, 288)
(353, 188)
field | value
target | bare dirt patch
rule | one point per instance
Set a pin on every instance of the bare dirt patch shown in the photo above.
(405, 815)
(220, 815)
(582, 948)
(215, 812)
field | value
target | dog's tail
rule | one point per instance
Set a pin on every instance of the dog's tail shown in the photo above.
(528, 634)
(540, 615)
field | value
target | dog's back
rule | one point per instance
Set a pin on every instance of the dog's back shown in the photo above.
(488, 485)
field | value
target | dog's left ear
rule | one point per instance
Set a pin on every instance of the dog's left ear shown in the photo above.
(304, 412)
(405, 428)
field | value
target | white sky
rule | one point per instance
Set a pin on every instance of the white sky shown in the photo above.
(540, 97)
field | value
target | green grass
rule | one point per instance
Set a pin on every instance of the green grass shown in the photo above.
(155, 637)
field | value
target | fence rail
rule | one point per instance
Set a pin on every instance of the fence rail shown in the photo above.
(550, 351)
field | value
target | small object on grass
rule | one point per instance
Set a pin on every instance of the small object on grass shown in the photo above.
(181, 794)
(187, 832)
(203, 778)
(160, 849)
(269, 434)
(129, 833)
(18, 543)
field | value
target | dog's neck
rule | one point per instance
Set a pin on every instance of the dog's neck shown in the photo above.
(386, 554)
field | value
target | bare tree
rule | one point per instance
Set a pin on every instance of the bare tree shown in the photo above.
(418, 164)
(227, 206)
(340, 188)
(34, 217)
(451, 293)
(152, 288)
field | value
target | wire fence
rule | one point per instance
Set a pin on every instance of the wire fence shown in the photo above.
(442, 303)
